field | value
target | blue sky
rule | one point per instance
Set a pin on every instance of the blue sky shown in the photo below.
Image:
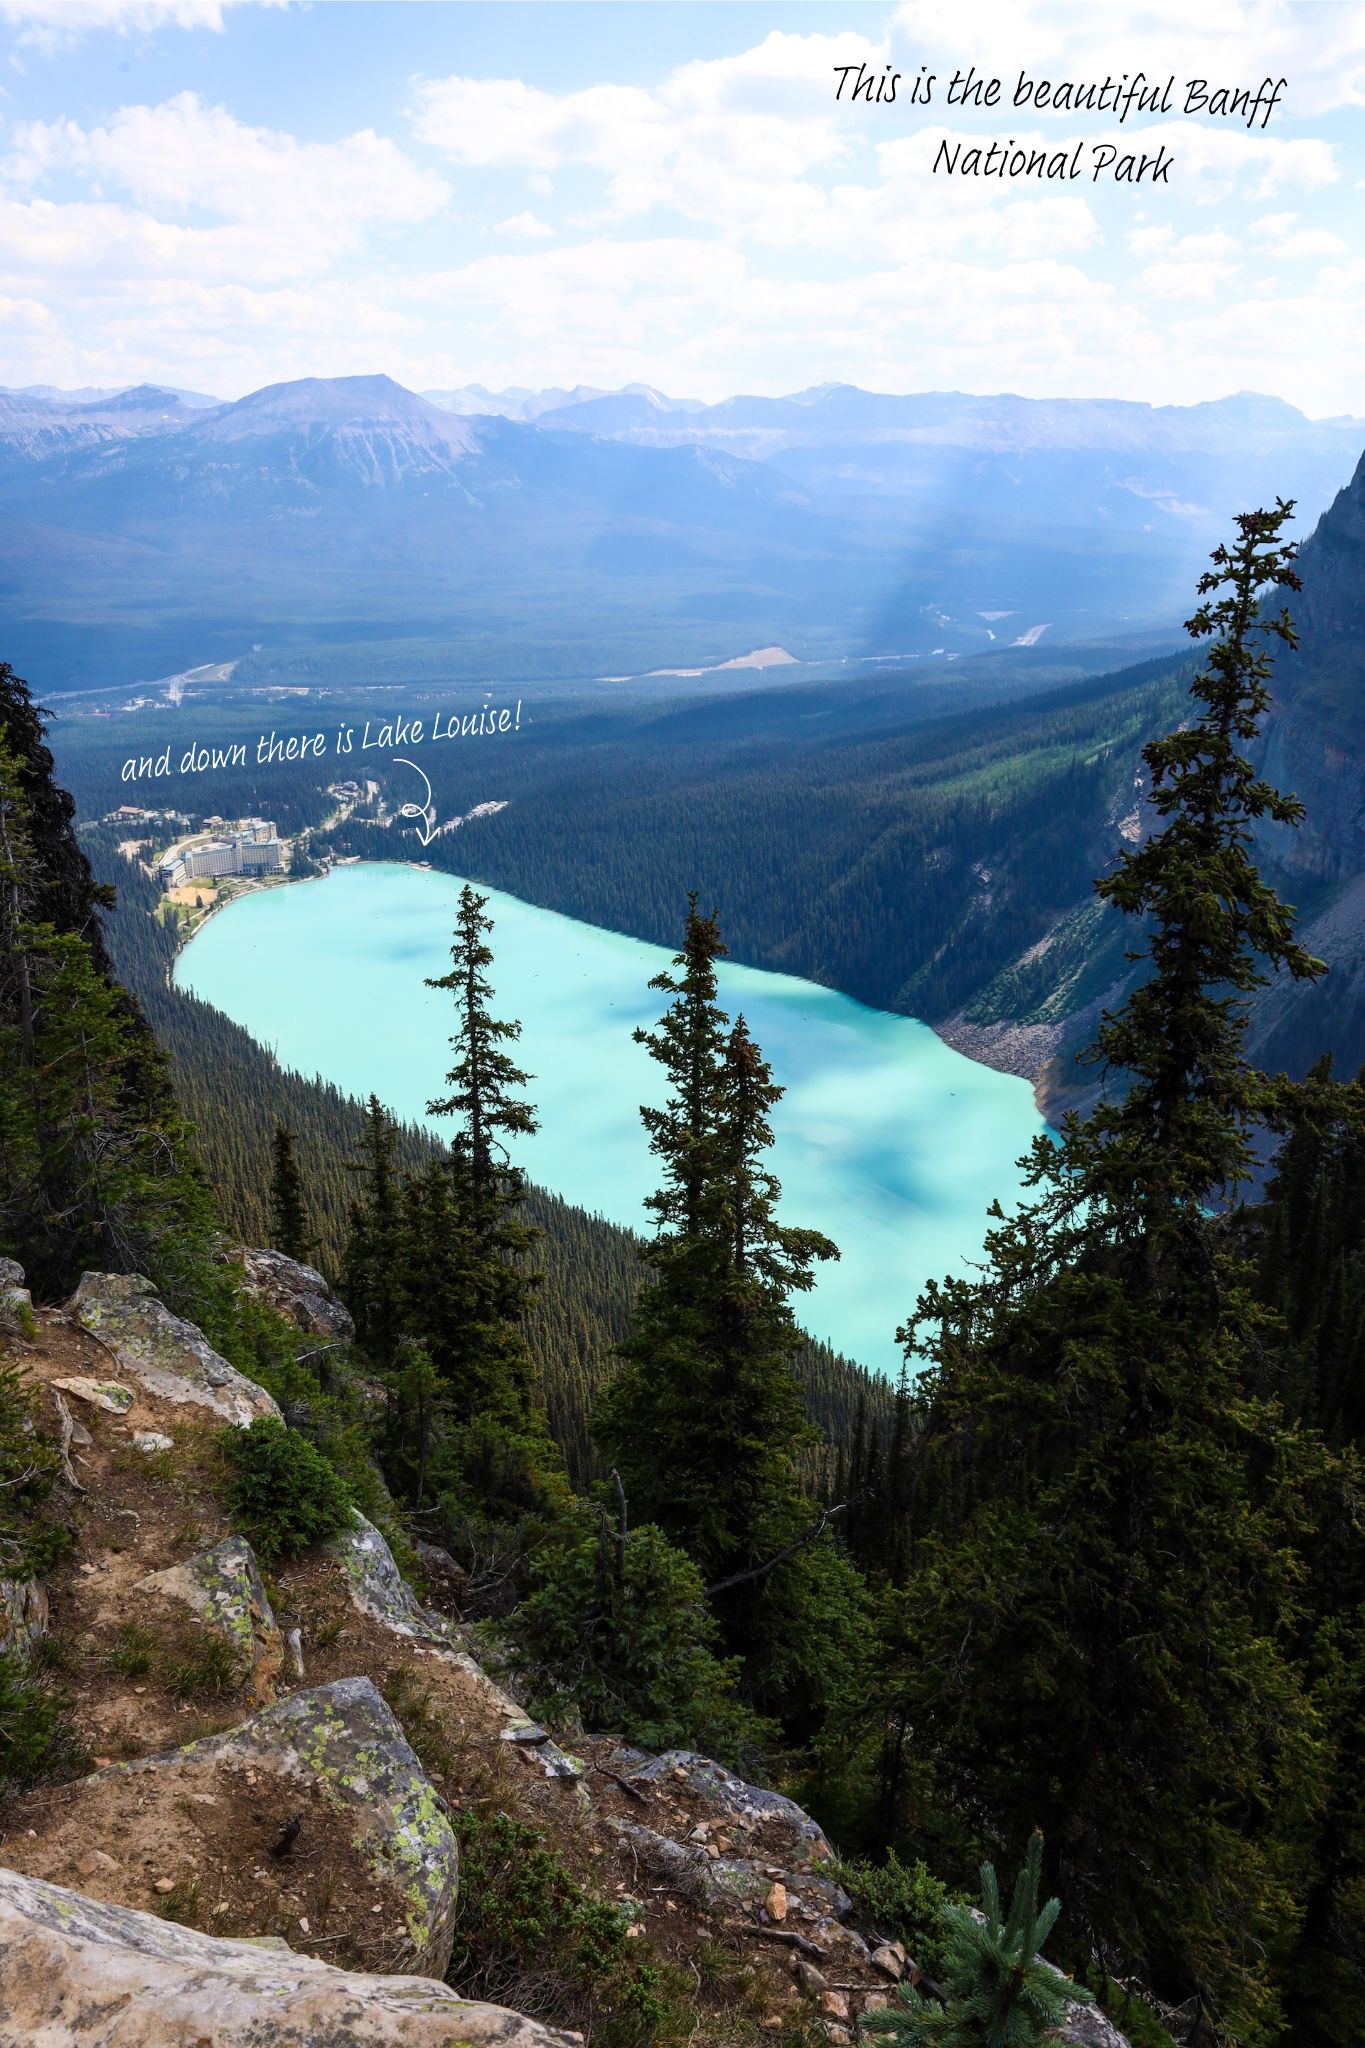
(225, 193)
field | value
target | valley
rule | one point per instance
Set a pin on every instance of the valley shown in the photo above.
(891, 1143)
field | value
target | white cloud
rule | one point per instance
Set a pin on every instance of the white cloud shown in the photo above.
(725, 140)
(524, 227)
(211, 195)
(1282, 235)
(1320, 50)
(52, 24)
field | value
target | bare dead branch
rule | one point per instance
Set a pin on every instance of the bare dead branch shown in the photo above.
(68, 1431)
(760, 1571)
(786, 1935)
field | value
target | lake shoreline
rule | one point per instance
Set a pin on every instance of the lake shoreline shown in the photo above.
(887, 1139)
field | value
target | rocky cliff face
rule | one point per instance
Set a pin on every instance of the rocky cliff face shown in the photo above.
(266, 1845)
(1313, 737)
(1044, 1006)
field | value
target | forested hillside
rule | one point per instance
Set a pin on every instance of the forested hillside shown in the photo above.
(236, 1094)
(1097, 1596)
(901, 838)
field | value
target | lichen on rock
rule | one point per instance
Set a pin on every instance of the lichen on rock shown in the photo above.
(297, 1292)
(16, 1303)
(74, 1970)
(341, 1743)
(732, 1796)
(109, 1395)
(162, 1352)
(378, 1588)
(223, 1586)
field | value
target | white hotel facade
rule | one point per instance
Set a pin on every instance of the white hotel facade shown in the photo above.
(249, 848)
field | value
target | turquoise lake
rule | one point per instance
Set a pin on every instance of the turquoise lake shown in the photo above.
(886, 1139)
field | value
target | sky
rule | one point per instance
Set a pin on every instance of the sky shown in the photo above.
(221, 194)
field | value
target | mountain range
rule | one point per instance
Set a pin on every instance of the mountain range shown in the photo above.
(352, 526)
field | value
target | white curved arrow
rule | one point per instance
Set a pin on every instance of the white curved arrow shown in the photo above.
(425, 832)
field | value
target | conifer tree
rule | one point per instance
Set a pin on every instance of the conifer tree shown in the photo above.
(705, 1421)
(372, 1278)
(94, 1160)
(1000, 1993)
(483, 1082)
(472, 1234)
(288, 1208)
(1103, 1618)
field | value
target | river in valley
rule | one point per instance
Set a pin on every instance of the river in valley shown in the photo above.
(887, 1140)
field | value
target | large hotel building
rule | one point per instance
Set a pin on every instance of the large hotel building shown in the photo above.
(249, 848)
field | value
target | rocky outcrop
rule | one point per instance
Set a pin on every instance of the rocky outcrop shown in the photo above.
(1085, 2026)
(749, 1805)
(16, 1303)
(297, 1292)
(341, 1745)
(223, 1587)
(379, 1590)
(75, 1971)
(160, 1351)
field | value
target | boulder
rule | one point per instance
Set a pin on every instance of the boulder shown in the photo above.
(379, 1590)
(297, 1292)
(16, 1303)
(161, 1352)
(223, 1587)
(84, 1975)
(1085, 2026)
(339, 1743)
(750, 1805)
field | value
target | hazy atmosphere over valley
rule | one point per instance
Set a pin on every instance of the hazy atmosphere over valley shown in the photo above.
(682, 1024)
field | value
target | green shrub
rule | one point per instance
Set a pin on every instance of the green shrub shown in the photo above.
(528, 1935)
(283, 1494)
(31, 1538)
(621, 1636)
(37, 1743)
(904, 1902)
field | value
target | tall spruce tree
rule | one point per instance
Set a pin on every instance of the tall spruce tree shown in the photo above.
(483, 1082)
(95, 1165)
(1101, 1630)
(288, 1209)
(705, 1421)
(472, 1322)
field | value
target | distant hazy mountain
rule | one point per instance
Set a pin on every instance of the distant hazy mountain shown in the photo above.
(1053, 459)
(323, 522)
(520, 403)
(91, 394)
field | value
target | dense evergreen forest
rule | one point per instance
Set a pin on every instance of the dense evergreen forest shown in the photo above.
(582, 1308)
(1097, 1585)
(901, 839)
